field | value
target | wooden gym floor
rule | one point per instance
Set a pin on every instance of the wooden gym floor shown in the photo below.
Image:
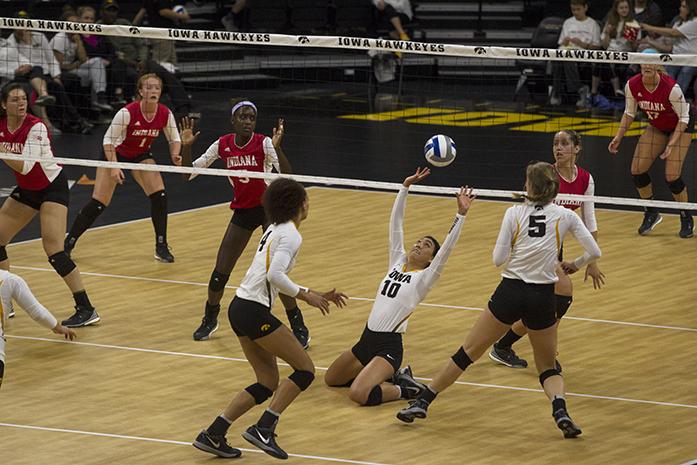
(136, 389)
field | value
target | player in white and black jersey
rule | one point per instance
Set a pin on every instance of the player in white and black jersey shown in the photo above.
(572, 180)
(377, 356)
(14, 287)
(262, 336)
(528, 243)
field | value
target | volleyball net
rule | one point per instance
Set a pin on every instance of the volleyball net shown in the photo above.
(358, 110)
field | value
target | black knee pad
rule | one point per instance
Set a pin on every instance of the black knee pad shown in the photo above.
(547, 374)
(563, 304)
(218, 281)
(302, 379)
(2, 371)
(3, 253)
(461, 359)
(259, 392)
(93, 209)
(159, 197)
(375, 396)
(641, 180)
(676, 186)
(62, 263)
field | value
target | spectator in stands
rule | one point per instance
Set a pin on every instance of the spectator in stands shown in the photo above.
(72, 57)
(619, 34)
(648, 11)
(578, 32)
(134, 53)
(161, 13)
(238, 19)
(684, 35)
(96, 46)
(394, 14)
(27, 57)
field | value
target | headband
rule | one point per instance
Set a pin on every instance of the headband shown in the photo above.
(243, 103)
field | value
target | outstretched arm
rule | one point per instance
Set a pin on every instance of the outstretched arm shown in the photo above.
(464, 200)
(397, 215)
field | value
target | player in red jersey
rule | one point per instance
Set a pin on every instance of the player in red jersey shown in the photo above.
(572, 180)
(128, 139)
(243, 149)
(668, 136)
(41, 188)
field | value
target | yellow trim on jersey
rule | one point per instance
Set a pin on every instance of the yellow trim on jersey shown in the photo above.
(515, 235)
(268, 256)
(2, 313)
(556, 231)
(400, 323)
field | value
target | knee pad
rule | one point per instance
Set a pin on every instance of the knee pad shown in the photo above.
(159, 197)
(641, 180)
(93, 209)
(3, 253)
(563, 304)
(375, 396)
(2, 371)
(62, 263)
(259, 392)
(302, 379)
(676, 186)
(218, 281)
(547, 374)
(461, 359)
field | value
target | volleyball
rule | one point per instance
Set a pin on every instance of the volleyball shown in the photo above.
(179, 9)
(440, 150)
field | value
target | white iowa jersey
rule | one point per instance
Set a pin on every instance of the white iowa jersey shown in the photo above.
(530, 239)
(401, 291)
(274, 258)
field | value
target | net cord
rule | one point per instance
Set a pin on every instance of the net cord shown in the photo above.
(344, 182)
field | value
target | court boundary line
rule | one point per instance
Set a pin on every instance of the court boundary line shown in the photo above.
(363, 299)
(171, 441)
(243, 360)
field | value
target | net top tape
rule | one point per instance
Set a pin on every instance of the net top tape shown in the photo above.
(345, 182)
(349, 43)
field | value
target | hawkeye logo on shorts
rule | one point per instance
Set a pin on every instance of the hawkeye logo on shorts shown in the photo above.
(265, 327)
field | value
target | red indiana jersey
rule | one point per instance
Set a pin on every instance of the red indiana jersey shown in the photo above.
(657, 104)
(141, 133)
(252, 157)
(34, 135)
(577, 186)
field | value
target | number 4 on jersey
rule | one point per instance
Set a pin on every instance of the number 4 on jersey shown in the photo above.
(263, 240)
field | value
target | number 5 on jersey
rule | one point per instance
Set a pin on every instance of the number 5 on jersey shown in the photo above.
(537, 226)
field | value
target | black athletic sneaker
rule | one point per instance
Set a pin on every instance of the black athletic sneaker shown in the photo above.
(651, 220)
(566, 424)
(83, 316)
(163, 254)
(208, 326)
(417, 409)
(506, 356)
(302, 334)
(216, 445)
(404, 378)
(687, 226)
(265, 439)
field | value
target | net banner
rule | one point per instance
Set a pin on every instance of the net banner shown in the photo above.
(351, 43)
